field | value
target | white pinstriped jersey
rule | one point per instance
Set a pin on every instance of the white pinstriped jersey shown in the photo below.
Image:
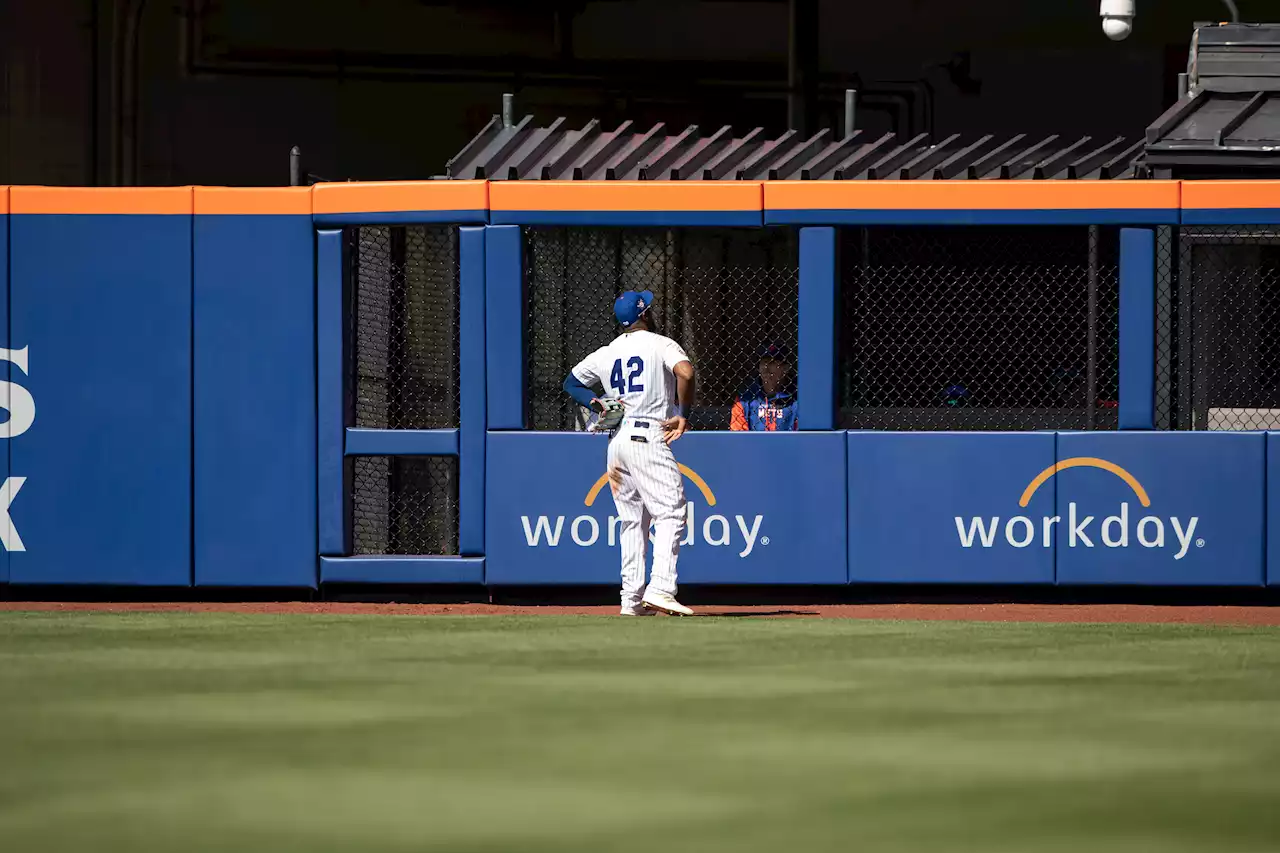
(647, 489)
(636, 368)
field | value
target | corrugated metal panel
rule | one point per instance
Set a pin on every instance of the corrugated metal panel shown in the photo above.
(1228, 124)
(1235, 58)
(658, 153)
(1243, 120)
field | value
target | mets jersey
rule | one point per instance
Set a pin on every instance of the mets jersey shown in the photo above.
(636, 368)
(755, 410)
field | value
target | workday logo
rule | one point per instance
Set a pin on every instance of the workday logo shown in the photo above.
(1120, 530)
(739, 531)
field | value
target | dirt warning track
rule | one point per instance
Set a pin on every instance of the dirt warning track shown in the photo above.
(1105, 613)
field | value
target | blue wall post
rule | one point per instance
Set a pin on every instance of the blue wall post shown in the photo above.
(1137, 328)
(819, 297)
(331, 393)
(254, 368)
(4, 342)
(473, 402)
(505, 327)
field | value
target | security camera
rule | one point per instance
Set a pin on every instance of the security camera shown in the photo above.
(1117, 18)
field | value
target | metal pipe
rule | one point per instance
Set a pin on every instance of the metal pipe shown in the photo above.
(1184, 82)
(802, 64)
(850, 111)
(128, 129)
(793, 64)
(508, 110)
(115, 95)
(1091, 366)
(95, 91)
(295, 166)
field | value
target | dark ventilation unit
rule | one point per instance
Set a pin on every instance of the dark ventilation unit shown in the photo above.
(1227, 123)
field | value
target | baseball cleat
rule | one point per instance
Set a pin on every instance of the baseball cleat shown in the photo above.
(634, 610)
(664, 603)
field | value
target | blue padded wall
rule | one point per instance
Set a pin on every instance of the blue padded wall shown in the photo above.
(255, 401)
(1180, 508)
(104, 303)
(944, 508)
(550, 516)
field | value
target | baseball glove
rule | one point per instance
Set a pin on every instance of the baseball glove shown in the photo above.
(611, 412)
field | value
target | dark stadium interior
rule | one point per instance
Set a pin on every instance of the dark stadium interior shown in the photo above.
(124, 92)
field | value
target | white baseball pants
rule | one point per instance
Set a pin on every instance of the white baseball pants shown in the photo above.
(647, 488)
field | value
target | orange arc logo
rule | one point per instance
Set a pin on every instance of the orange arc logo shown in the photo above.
(1084, 462)
(707, 495)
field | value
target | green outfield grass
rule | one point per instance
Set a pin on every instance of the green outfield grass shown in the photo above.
(192, 732)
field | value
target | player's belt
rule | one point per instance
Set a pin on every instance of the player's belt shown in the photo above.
(628, 424)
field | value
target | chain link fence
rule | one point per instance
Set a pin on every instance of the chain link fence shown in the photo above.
(405, 327)
(405, 505)
(721, 293)
(1218, 323)
(1168, 292)
(403, 352)
(979, 328)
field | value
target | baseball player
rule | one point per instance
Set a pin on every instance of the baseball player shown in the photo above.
(641, 374)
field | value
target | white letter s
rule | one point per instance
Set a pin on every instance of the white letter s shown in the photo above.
(16, 398)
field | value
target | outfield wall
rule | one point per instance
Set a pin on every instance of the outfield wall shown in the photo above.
(179, 414)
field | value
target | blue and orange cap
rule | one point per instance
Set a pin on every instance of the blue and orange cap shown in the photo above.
(777, 352)
(632, 305)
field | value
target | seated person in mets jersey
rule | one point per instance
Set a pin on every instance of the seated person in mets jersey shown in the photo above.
(769, 402)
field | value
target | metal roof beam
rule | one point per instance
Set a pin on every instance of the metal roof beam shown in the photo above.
(1010, 170)
(517, 136)
(926, 159)
(674, 151)
(895, 158)
(765, 157)
(830, 156)
(606, 148)
(570, 154)
(954, 165)
(1121, 161)
(549, 139)
(688, 165)
(636, 151)
(993, 158)
(1054, 163)
(866, 154)
(478, 143)
(732, 156)
(1172, 117)
(791, 163)
(1092, 159)
(1233, 124)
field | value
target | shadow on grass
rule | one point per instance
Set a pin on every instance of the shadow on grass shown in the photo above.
(746, 614)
